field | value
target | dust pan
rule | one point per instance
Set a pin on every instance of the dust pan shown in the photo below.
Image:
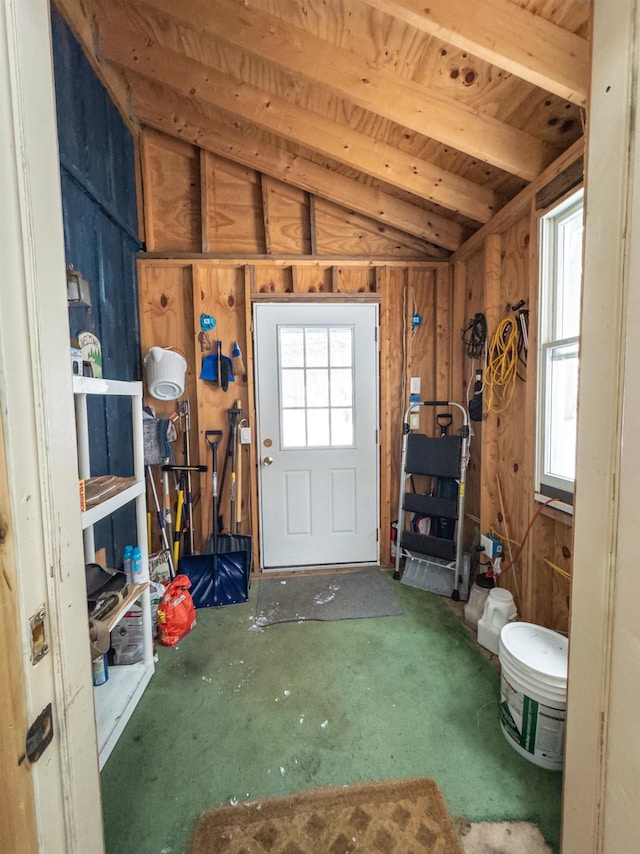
(209, 368)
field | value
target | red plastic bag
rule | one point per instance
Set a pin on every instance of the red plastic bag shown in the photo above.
(176, 612)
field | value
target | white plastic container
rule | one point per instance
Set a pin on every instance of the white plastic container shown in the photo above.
(533, 692)
(499, 609)
(165, 371)
(474, 608)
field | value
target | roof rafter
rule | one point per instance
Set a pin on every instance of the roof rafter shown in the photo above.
(193, 79)
(550, 57)
(369, 86)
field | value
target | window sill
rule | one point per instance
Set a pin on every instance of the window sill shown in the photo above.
(558, 510)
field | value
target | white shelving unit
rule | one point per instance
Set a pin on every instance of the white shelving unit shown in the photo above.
(117, 698)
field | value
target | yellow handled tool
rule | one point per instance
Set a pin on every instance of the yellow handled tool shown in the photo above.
(178, 527)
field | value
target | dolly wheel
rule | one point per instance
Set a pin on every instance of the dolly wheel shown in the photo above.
(455, 596)
(396, 575)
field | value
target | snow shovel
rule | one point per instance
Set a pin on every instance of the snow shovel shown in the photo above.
(223, 576)
(213, 439)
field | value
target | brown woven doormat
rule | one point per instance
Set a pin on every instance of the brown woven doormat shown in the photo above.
(394, 817)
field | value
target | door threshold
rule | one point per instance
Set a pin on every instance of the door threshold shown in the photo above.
(325, 569)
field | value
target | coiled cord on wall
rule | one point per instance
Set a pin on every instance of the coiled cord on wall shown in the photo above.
(474, 336)
(502, 365)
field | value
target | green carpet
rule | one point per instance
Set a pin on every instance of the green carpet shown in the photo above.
(239, 712)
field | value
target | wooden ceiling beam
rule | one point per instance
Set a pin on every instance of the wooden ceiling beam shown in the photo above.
(506, 35)
(167, 111)
(357, 80)
(193, 79)
(521, 204)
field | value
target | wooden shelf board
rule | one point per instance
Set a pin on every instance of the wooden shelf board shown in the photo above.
(135, 590)
(94, 385)
(110, 505)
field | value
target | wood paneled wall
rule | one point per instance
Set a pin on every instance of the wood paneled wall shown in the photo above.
(198, 202)
(174, 292)
(496, 270)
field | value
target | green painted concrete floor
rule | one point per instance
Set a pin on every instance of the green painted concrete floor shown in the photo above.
(237, 712)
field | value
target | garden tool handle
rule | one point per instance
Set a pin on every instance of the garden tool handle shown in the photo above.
(200, 469)
(213, 442)
(238, 519)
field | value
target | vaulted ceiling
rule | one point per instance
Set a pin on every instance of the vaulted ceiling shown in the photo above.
(426, 116)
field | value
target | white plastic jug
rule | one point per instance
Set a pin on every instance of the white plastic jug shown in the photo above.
(165, 373)
(499, 609)
(474, 609)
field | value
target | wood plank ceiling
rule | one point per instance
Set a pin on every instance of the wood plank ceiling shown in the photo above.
(426, 118)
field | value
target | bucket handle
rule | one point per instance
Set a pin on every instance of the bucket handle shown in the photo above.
(173, 349)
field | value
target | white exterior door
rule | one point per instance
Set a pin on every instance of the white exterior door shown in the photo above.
(317, 405)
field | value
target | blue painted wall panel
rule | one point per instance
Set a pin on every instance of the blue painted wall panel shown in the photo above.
(92, 136)
(100, 232)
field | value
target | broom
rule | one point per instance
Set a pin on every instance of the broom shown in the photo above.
(238, 369)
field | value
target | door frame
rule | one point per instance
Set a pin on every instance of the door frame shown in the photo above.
(601, 771)
(36, 404)
(17, 807)
(306, 301)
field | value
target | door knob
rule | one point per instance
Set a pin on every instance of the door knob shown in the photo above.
(267, 461)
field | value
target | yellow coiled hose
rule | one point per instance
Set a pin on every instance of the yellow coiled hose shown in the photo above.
(502, 366)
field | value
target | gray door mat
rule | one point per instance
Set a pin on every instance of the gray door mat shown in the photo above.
(340, 596)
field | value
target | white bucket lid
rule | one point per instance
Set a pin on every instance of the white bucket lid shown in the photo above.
(536, 648)
(540, 688)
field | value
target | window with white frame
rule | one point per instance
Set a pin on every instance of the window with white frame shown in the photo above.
(558, 349)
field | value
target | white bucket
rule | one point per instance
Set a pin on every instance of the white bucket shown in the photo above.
(498, 610)
(165, 371)
(533, 692)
